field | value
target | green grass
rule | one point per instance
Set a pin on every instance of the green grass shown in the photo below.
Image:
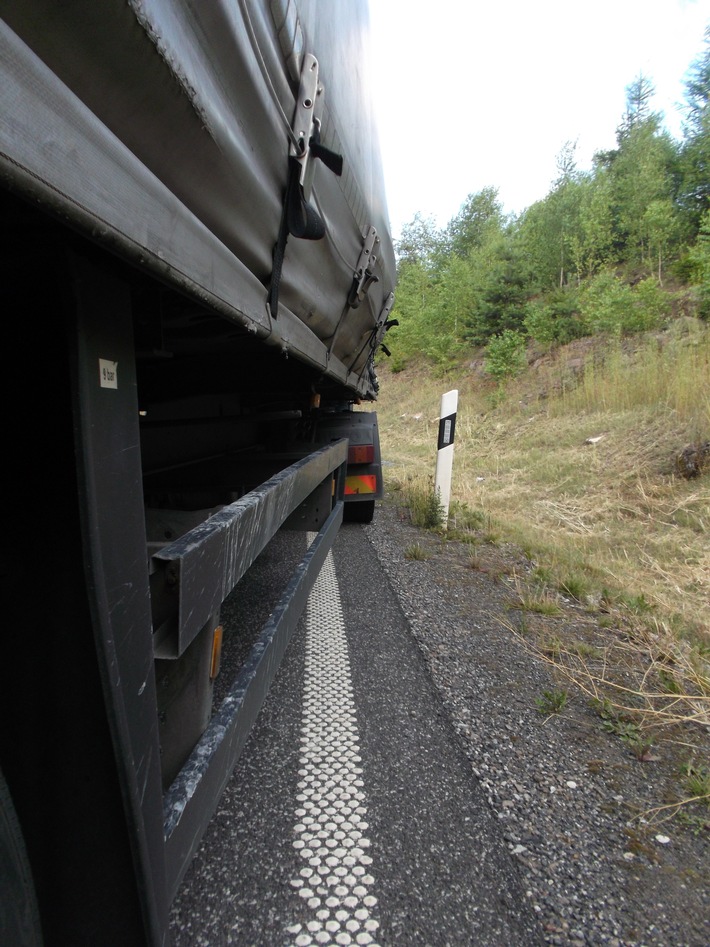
(552, 702)
(538, 602)
(575, 587)
(584, 650)
(421, 501)
(696, 781)
(416, 553)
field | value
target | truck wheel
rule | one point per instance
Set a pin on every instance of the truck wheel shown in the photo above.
(359, 512)
(19, 915)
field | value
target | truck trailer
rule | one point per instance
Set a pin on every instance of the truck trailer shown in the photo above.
(197, 275)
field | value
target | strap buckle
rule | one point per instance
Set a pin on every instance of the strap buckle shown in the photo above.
(364, 276)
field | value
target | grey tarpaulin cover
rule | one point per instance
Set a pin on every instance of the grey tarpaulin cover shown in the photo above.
(161, 128)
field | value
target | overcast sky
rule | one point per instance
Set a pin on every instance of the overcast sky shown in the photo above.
(473, 94)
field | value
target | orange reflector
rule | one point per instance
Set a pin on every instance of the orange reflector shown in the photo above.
(365, 484)
(216, 652)
(361, 453)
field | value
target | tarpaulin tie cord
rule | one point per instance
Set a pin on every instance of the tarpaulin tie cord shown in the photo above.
(298, 217)
(375, 335)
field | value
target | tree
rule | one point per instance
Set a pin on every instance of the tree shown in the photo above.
(697, 90)
(505, 287)
(639, 94)
(642, 172)
(479, 218)
(420, 242)
(660, 222)
(596, 220)
(566, 162)
(695, 155)
(412, 302)
(456, 300)
(537, 233)
(700, 260)
(550, 231)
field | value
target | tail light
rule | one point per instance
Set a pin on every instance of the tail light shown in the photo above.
(361, 454)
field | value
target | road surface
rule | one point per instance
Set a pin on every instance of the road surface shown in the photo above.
(353, 816)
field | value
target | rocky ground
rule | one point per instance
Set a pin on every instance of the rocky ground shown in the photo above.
(577, 802)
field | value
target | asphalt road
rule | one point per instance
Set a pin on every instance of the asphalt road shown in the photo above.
(353, 816)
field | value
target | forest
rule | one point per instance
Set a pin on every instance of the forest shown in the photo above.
(618, 249)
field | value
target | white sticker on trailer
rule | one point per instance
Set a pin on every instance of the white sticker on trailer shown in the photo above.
(108, 373)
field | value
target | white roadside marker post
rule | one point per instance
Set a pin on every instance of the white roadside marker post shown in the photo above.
(445, 451)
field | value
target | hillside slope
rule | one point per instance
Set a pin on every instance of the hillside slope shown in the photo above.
(577, 461)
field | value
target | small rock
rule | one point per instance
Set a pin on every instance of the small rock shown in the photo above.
(662, 839)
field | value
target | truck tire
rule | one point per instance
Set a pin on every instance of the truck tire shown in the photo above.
(361, 512)
(19, 915)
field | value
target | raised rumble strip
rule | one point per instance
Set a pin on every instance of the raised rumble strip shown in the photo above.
(441, 871)
(335, 881)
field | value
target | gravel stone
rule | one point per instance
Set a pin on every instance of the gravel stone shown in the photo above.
(571, 798)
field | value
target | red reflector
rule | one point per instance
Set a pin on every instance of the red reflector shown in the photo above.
(366, 484)
(361, 454)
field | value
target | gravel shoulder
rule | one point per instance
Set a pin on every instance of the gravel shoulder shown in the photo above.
(573, 800)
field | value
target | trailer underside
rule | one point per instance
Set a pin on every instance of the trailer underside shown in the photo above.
(153, 452)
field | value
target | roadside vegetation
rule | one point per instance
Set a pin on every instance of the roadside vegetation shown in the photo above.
(589, 496)
(578, 336)
(592, 489)
(593, 257)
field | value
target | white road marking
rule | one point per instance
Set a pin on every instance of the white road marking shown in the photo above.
(335, 881)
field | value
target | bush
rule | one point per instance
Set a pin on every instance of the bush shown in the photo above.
(556, 320)
(424, 503)
(652, 308)
(397, 363)
(540, 323)
(607, 304)
(505, 355)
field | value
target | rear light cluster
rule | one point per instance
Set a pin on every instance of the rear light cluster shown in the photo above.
(361, 454)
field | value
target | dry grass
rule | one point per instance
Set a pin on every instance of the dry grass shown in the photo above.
(649, 690)
(577, 468)
(643, 675)
(611, 511)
